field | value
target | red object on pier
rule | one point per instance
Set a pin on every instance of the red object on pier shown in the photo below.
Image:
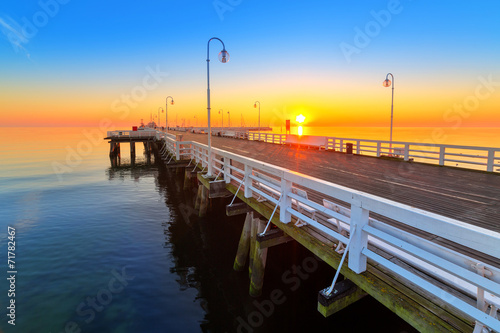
(134, 128)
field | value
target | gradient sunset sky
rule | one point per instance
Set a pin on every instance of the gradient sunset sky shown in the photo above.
(75, 63)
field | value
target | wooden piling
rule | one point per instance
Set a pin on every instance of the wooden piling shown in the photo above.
(111, 149)
(117, 145)
(187, 178)
(132, 151)
(203, 201)
(259, 264)
(244, 244)
(253, 237)
(198, 198)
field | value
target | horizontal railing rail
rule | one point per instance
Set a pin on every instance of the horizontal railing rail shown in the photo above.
(267, 137)
(133, 134)
(453, 155)
(288, 192)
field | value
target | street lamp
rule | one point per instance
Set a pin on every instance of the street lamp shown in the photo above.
(166, 111)
(387, 83)
(223, 57)
(159, 115)
(221, 112)
(255, 106)
(228, 119)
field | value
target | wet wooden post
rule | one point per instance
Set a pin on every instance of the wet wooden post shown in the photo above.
(132, 152)
(259, 263)
(112, 145)
(244, 244)
(187, 178)
(148, 151)
(253, 237)
(117, 145)
(198, 198)
(203, 201)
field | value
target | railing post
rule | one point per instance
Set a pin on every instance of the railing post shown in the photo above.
(491, 160)
(177, 151)
(227, 170)
(359, 239)
(341, 145)
(210, 161)
(358, 149)
(441, 155)
(379, 144)
(407, 152)
(285, 200)
(248, 181)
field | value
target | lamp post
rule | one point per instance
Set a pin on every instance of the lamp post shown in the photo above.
(159, 115)
(228, 119)
(221, 112)
(255, 106)
(387, 83)
(223, 57)
(166, 111)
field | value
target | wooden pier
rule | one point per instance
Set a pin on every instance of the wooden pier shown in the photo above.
(423, 240)
(148, 137)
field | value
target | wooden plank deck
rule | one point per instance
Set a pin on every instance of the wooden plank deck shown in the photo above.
(466, 195)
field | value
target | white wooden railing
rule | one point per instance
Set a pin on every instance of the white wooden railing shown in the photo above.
(482, 158)
(267, 137)
(465, 274)
(486, 158)
(134, 134)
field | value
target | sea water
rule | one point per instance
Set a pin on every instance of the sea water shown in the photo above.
(121, 249)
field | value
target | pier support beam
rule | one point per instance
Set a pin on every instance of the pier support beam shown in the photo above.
(218, 189)
(253, 237)
(244, 244)
(114, 153)
(258, 263)
(344, 294)
(198, 198)
(190, 178)
(132, 152)
(147, 150)
(203, 201)
(238, 209)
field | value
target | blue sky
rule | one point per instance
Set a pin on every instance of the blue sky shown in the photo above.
(289, 54)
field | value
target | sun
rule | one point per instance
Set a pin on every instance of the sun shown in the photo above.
(300, 118)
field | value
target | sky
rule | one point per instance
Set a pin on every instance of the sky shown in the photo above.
(81, 63)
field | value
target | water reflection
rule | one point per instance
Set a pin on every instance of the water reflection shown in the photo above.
(202, 252)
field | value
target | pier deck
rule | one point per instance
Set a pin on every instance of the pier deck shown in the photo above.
(469, 196)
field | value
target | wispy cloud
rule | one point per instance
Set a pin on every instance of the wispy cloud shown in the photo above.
(12, 31)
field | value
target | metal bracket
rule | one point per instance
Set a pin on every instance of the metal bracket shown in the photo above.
(329, 290)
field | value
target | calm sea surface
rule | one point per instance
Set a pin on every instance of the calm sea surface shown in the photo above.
(102, 249)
